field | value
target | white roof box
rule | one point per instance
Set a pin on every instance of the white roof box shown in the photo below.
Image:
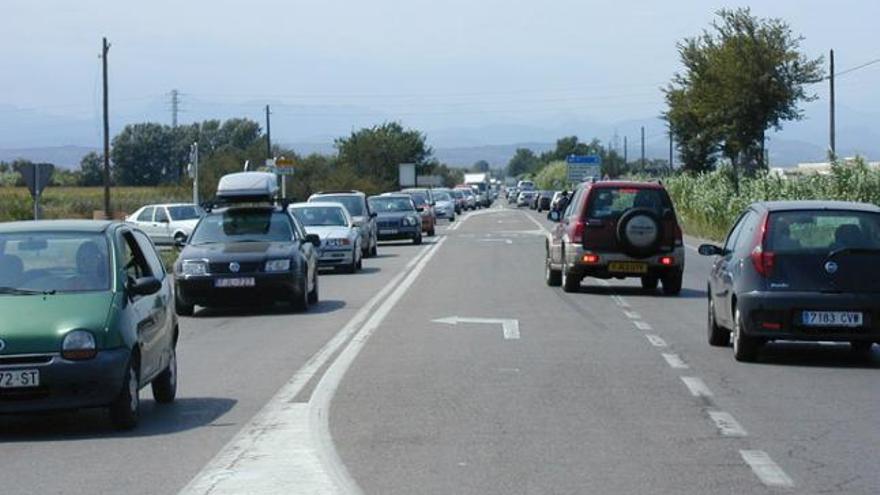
(247, 187)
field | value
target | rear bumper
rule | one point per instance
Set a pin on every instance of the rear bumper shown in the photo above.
(408, 232)
(575, 260)
(269, 287)
(782, 312)
(69, 384)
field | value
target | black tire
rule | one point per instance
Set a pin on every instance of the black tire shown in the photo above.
(649, 283)
(178, 238)
(861, 347)
(452, 219)
(374, 251)
(418, 239)
(551, 276)
(125, 409)
(672, 283)
(182, 308)
(165, 385)
(718, 337)
(300, 298)
(360, 264)
(313, 296)
(351, 267)
(571, 282)
(431, 232)
(745, 348)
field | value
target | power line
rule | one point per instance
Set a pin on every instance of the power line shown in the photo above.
(858, 67)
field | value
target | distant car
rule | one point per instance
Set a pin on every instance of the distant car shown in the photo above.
(796, 270)
(617, 230)
(359, 209)
(398, 217)
(525, 198)
(525, 185)
(340, 237)
(460, 201)
(469, 196)
(444, 205)
(424, 202)
(512, 195)
(88, 319)
(246, 253)
(533, 202)
(544, 200)
(167, 223)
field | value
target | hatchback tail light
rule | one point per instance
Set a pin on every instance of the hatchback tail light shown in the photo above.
(761, 258)
(591, 259)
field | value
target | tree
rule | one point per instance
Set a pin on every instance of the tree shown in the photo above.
(553, 176)
(91, 170)
(524, 161)
(481, 166)
(741, 78)
(142, 156)
(376, 152)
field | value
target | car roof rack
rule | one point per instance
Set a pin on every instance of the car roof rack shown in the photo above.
(240, 188)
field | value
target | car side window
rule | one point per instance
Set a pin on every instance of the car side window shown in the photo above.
(572, 204)
(150, 255)
(133, 261)
(161, 215)
(296, 227)
(146, 215)
(730, 242)
(747, 233)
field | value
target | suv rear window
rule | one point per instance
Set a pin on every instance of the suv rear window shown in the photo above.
(822, 230)
(353, 203)
(610, 202)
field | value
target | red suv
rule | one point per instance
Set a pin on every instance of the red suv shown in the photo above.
(616, 230)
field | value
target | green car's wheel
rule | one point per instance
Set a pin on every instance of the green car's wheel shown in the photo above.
(165, 385)
(125, 409)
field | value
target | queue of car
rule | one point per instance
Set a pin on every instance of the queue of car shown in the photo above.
(102, 313)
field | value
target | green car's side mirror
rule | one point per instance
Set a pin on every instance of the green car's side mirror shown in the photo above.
(144, 286)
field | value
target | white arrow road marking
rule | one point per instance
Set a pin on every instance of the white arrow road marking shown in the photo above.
(509, 325)
(765, 469)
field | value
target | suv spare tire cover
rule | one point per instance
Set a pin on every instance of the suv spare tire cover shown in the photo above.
(640, 232)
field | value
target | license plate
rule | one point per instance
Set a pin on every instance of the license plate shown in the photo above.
(832, 318)
(235, 282)
(627, 267)
(388, 231)
(20, 379)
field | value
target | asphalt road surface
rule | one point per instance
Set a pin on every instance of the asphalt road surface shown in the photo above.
(451, 368)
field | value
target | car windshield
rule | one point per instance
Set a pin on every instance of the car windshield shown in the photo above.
(54, 262)
(419, 198)
(391, 204)
(608, 202)
(320, 216)
(822, 231)
(353, 203)
(185, 212)
(235, 225)
(442, 196)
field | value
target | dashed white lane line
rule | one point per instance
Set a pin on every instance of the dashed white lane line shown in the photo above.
(696, 386)
(727, 425)
(641, 325)
(632, 315)
(620, 301)
(765, 469)
(656, 340)
(675, 361)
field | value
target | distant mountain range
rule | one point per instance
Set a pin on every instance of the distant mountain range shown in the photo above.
(63, 140)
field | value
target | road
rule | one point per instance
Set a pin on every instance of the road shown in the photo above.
(610, 390)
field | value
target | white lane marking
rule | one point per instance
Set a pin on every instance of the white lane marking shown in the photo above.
(319, 419)
(696, 386)
(655, 340)
(765, 469)
(506, 241)
(727, 425)
(620, 301)
(539, 224)
(692, 248)
(641, 325)
(510, 326)
(675, 361)
(632, 315)
(261, 457)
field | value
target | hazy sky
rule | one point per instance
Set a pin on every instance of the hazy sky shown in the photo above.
(432, 63)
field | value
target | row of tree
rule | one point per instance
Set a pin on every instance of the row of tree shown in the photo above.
(526, 162)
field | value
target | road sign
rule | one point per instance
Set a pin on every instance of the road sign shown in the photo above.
(429, 180)
(36, 176)
(581, 167)
(407, 174)
(285, 166)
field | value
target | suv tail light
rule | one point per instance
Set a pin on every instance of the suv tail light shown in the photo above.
(578, 232)
(679, 241)
(761, 258)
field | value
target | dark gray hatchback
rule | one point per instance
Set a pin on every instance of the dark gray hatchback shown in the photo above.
(797, 270)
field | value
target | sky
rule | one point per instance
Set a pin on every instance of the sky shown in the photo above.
(428, 63)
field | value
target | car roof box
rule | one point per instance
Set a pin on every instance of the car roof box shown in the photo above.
(247, 187)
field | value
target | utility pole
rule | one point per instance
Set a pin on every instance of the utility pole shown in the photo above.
(831, 129)
(194, 161)
(268, 134)
(107, 213)
(625, 152)
(671, 154)
(175, 102)
(642, 165)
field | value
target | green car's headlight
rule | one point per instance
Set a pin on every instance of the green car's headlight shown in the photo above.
(278, 265)
(194, 267)
(78, 345)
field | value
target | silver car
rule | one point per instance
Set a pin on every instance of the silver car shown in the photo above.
(444, 205)
(356, 204)
(470, 199)
(167, 223)
(340, 237)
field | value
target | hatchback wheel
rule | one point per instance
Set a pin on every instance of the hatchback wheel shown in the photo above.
(125, 409)
(417, 239)
(718, 336)
(165, 385)
(182, 308)
(431, 232)
(861, 347)
(374, 251)
(745, 348)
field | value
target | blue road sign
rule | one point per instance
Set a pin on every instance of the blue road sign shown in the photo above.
(587, 159)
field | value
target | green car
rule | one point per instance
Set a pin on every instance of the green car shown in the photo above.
(86, 319)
